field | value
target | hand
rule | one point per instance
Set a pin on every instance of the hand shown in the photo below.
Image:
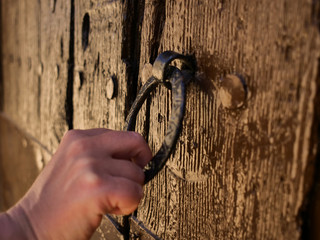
(93, 172)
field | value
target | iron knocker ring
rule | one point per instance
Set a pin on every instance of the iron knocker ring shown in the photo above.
(163, 73)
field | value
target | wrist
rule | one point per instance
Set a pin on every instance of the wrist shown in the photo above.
(17, 224)
(7, 227)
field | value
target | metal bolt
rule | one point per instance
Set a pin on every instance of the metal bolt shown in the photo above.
(111, 88)
(232, 91)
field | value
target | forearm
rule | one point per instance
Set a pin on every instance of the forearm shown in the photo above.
(14, 224)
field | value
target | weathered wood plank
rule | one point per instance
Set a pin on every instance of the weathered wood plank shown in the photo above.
(98, 59)
(56, 39)
(35, 41)
(35, 53)
(235, 174)
(21, 62)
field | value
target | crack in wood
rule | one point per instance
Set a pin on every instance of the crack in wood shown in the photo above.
(85, 31)
(54, 3)
(69, 97)
(130, 55)
(159, 19)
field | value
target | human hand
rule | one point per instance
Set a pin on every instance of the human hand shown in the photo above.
(93, 172)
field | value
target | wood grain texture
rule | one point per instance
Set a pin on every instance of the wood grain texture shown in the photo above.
(99, 59)
(239, 174)
(235, 174)
(35, 53)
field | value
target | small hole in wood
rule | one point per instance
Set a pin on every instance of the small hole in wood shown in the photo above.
(81, 77)
(53, 5)
(85, 31)
(61, 47)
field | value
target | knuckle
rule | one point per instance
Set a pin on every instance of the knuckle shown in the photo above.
(85, 162)
(82, 145)
(71, 135)
(81, 166)
(91, 179)
(138, 139)
(136, 135)
(79, 146)
(86, 170)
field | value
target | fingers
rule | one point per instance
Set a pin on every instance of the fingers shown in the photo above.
(128, 145)
(121, 196)
(121, 168)
(112, 161)
(102, 142)
(120, 144)
(76, 135)
(119, 184)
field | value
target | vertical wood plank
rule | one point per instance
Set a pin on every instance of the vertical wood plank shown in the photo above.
(35, 54)
(98, 48)
(56, 57)
(235, 174)
(35, 42)
(21, 62)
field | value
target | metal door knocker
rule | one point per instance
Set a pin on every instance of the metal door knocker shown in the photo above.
(175, 79)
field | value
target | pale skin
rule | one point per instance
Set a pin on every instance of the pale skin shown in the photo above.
(93, 172)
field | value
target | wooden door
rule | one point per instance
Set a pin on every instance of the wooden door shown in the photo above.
(239, 171)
